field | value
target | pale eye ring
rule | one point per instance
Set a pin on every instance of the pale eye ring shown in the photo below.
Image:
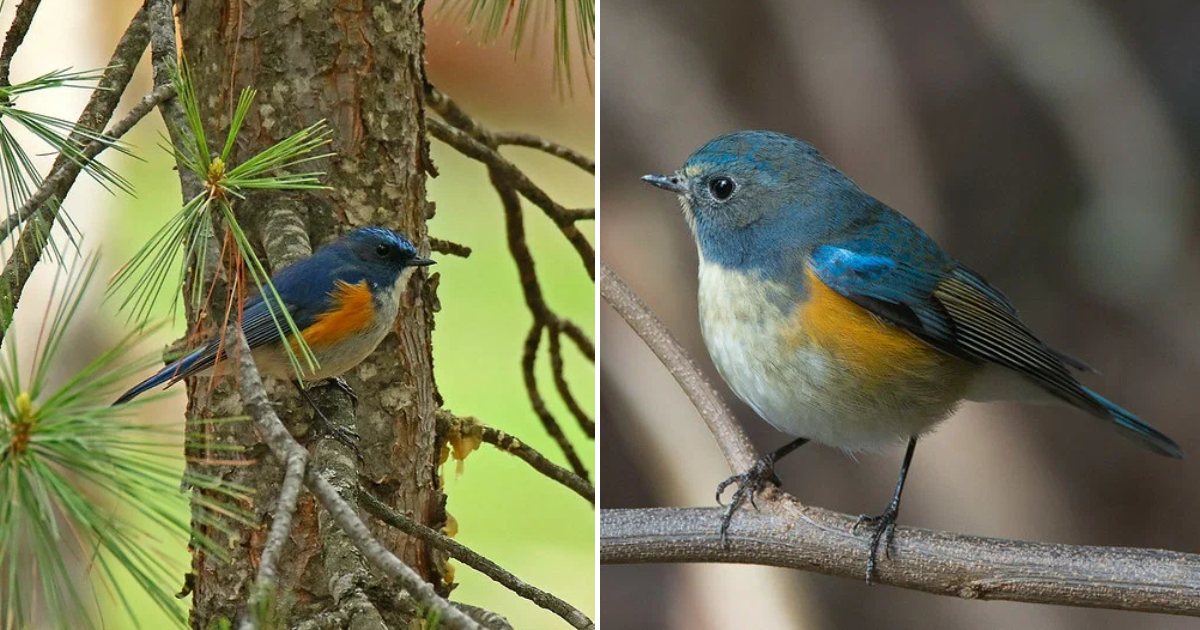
(722, 187)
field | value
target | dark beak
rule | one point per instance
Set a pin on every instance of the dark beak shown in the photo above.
(673, 183)
(417, 261)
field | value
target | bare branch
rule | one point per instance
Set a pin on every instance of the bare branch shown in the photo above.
(787, 534)
(729, 435)
(558, 368)
(454, 426)
(450, 248)
(528, 363)
(61, 179)
(16, 35)
(283, 445)
(295, 463)
(553, 148)
(506, 171)
(99, 110)
(474, 560)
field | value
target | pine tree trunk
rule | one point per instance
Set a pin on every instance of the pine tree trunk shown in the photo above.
(359, 65)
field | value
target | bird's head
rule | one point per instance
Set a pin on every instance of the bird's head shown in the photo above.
(381, 255)
(752, 192)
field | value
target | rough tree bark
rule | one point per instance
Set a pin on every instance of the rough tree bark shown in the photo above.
(358, 65)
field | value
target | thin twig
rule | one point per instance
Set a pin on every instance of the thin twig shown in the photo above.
(283, 445)
(27, 251)
(513, 176)
(450, 248)
(543, 317)
(729, 435)
(541, 144)
(576, 334)
(558, 369)
(786, 534)
(528, 365)
(16, 35)
(454, 426)
(461, 552)
(295, 463)
(62, 178)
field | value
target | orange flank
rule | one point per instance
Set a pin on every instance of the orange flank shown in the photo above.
(353, 311)
(873, 349)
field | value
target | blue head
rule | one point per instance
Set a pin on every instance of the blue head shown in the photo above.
(751, 196)
(376, 254)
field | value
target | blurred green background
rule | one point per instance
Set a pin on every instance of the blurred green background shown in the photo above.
(535, 528)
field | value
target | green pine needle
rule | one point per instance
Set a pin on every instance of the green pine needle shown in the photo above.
(186, 239)
(83, 485)
(18, 174)
(494, 17)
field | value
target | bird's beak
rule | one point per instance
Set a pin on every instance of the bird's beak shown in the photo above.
(421, 262)
(673, 183)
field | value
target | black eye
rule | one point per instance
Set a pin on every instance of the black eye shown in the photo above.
(721, 188)
(384, 250)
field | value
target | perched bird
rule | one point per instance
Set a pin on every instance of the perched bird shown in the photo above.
(343, 298)
(838, 320)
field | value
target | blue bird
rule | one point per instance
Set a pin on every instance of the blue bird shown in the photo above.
(838, 320)
(344, 299)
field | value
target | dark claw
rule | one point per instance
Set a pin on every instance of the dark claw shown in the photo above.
(749, 484)
(322, 427)
(883, 531)
(341, 384)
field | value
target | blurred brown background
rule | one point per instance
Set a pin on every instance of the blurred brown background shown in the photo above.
(1051, 145)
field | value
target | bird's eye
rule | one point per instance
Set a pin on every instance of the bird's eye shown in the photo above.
(384, 249)
(721, 188)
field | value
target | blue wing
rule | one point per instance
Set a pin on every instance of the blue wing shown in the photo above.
(305, 288)
(955, 310)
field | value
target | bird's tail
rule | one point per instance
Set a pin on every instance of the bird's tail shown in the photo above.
(173, 372)
(1133, 428)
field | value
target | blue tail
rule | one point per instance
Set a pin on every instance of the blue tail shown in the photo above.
(1133, 428)
(173, 372)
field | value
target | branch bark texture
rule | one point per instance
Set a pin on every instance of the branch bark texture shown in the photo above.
(787, 534)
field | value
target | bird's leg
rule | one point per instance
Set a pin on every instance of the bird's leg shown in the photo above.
(341, 384)
(751, 481)
(884, 525)
(323, 426)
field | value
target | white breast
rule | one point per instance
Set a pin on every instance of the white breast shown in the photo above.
(799, 389)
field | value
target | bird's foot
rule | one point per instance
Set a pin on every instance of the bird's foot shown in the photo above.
(341, 384)
(321, 426)
(748, 485)
(883, 530)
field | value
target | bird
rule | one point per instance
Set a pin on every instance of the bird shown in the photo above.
(344, 299)
(839, 321)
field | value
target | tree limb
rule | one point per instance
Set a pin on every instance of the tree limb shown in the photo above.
(16, 34)
(451, 426)
(27, 251)
(507, 171)
(553, 148)
(61, 179)
(729, 434)
(467, 556)
(283, 446)
(787, 534)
